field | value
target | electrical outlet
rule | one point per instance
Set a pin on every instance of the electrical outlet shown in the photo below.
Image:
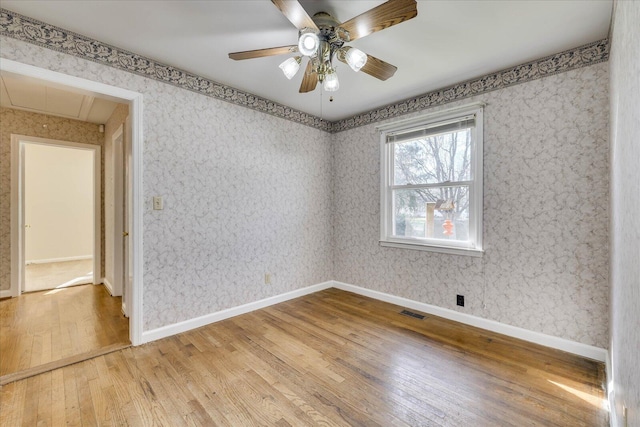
(267, 278)
(460, 300)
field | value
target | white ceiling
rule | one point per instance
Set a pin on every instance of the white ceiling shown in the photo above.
(29, 94)
(448, 42)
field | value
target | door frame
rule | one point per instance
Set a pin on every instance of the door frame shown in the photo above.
(18, 143)
(135, 102)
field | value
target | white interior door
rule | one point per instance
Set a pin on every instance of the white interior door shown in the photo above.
(119, 228)
(127, 273)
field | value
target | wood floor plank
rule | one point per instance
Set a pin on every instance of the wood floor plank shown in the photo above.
(30, 406)
(58, 398)
(328, 359)
(87, 404)
(45, 402)
(71, 400)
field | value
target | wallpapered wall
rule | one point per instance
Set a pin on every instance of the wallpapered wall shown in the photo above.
(31, 124)
(545, 266)
(625, 230)
(245, 193)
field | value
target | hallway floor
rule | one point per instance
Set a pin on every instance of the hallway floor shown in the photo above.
(39, 277)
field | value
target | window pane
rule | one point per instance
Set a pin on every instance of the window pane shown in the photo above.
(434, 159)
(435, 213)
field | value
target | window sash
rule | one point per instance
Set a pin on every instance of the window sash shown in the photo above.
(472, 171)
(473, 246)
(469, 243)
(434, 185)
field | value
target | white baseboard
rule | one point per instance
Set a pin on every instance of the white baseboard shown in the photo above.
(5, 293)
(580, 349)
(176, 328)
(107, 284)
(49, 260)
(591, 352)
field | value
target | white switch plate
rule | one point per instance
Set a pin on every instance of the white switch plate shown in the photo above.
(157, 203)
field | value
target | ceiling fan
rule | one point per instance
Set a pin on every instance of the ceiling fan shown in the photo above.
(322, 38)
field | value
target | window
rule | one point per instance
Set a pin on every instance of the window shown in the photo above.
(431, 195)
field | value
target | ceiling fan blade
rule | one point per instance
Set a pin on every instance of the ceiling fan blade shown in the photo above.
(295, 13)
(384, 16)
(261, 53)
(309, 80)
(378, 68)
(374, 67)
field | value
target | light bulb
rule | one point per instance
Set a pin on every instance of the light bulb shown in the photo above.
(356, 59)
(308, 44)
(290, 67)
(331, 83)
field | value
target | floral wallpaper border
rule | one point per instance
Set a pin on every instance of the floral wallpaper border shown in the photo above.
(33, 31)
(582, 56)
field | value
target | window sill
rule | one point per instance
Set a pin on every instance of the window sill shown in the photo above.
(432, 248)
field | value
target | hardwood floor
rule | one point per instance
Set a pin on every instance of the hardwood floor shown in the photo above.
(40, 277)
(328, 359)
(43, 327)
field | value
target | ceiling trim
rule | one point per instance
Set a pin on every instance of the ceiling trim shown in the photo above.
(578, 57)
(42, 34)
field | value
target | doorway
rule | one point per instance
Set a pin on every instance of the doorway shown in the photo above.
(133, 293)
(59, 213)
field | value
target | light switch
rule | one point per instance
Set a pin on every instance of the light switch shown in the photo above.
(157, 203)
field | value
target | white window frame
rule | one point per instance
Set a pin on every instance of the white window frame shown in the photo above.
(474, 246)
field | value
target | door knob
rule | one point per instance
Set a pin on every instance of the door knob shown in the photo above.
(125, 233)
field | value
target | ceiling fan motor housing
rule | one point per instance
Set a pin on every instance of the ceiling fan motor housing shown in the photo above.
(329, 31)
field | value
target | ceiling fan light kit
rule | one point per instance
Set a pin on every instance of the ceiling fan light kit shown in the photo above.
(331, 83)
(308, 42)
(322, 39)
(291, 66)
(355, 58)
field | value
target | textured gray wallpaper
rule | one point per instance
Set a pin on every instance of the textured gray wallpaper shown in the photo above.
(625, 224)
(245, 193)
(546, 215)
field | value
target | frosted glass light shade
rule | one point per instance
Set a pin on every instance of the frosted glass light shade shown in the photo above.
(290, 67)
(308, 44)
(356, 59)
(331, 83)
